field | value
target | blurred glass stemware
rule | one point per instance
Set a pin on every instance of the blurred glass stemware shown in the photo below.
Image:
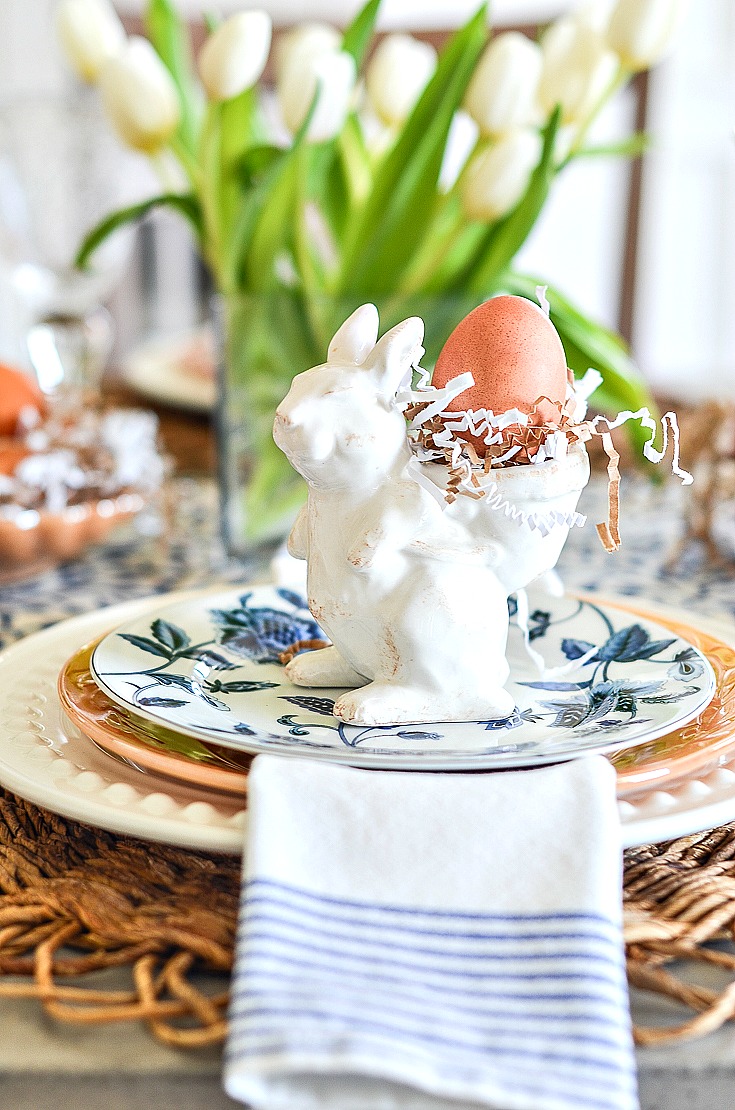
(60, 171)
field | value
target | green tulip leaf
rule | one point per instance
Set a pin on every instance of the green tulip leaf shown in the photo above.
(242, 128)
(263, 226)
(349, 179)
(357, 36)
(232, 128)
(255, 162)
(337, 178)
(632, 147)
(330, 191)
(184, 203)
(393, 220)
(311, 262)
(352, 139)
(169, 35)
(448, 271)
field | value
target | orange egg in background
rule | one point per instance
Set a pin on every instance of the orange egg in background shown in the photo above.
(12, 451)
(515, 356)
(17, 392)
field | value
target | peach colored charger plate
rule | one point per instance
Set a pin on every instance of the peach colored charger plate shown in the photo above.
(144, 745)
(701, 744)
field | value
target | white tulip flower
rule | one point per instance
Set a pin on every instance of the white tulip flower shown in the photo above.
(578, 68)
(399, 71)
(334, 74)
(497, 177)
(642, 31)
(234, 56)
(594, 15)
(461, 141)
(139, 96)
(502, 93)
(90, 33)
(304, 41)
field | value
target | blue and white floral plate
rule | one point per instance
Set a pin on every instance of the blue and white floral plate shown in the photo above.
(208, 668)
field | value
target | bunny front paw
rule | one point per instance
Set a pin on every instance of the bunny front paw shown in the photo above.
(324, 667)
(297, 543)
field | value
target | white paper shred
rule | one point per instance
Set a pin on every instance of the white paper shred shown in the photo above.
(546, 673)
(439, 397)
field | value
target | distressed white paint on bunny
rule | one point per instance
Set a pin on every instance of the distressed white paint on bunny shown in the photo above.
(412, 593)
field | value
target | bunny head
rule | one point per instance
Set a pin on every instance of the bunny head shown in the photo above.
(339, 425)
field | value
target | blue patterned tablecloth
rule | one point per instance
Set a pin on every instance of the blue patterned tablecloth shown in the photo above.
(649, 563)
(191, 555)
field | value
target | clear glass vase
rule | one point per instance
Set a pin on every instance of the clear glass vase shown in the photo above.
(265, 340)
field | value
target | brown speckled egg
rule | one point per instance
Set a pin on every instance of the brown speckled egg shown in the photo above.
(513, 352)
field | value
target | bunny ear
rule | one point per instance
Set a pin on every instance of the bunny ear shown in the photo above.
(354, 341)
(395, 354)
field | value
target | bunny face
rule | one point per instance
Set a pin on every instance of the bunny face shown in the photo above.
(338, 425)
(337, 431)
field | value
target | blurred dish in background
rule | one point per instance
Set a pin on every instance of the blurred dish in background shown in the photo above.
(178, 371)
(32, 542)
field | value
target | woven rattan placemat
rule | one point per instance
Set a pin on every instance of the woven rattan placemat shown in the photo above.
(75, 900)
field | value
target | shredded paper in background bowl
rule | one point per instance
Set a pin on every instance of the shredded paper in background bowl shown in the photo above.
(90, 457)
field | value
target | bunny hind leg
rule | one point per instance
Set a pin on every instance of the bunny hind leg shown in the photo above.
(324, 667)
(383, 703)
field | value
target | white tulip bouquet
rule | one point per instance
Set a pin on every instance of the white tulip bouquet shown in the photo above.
(400, 176)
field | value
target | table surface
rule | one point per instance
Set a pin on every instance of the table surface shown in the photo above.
(121, 1067)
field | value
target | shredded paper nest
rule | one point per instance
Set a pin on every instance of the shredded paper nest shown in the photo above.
(521, 438)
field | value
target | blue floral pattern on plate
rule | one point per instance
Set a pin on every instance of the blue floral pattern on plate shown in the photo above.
(210, 669)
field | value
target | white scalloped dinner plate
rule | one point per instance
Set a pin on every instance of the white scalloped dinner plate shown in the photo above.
(45, 759)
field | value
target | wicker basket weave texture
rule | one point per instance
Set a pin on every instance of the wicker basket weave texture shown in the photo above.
(75, 900)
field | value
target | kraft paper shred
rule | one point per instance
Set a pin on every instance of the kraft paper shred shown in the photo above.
(608, 530)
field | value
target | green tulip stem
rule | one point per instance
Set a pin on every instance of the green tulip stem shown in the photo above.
(186, 160)
(209, 190)
(448, 225)
(161, 162)
(619, 79)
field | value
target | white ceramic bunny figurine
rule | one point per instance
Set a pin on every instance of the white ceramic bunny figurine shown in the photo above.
(412, 594)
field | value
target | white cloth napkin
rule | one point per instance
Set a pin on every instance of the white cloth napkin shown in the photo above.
(412, 940)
